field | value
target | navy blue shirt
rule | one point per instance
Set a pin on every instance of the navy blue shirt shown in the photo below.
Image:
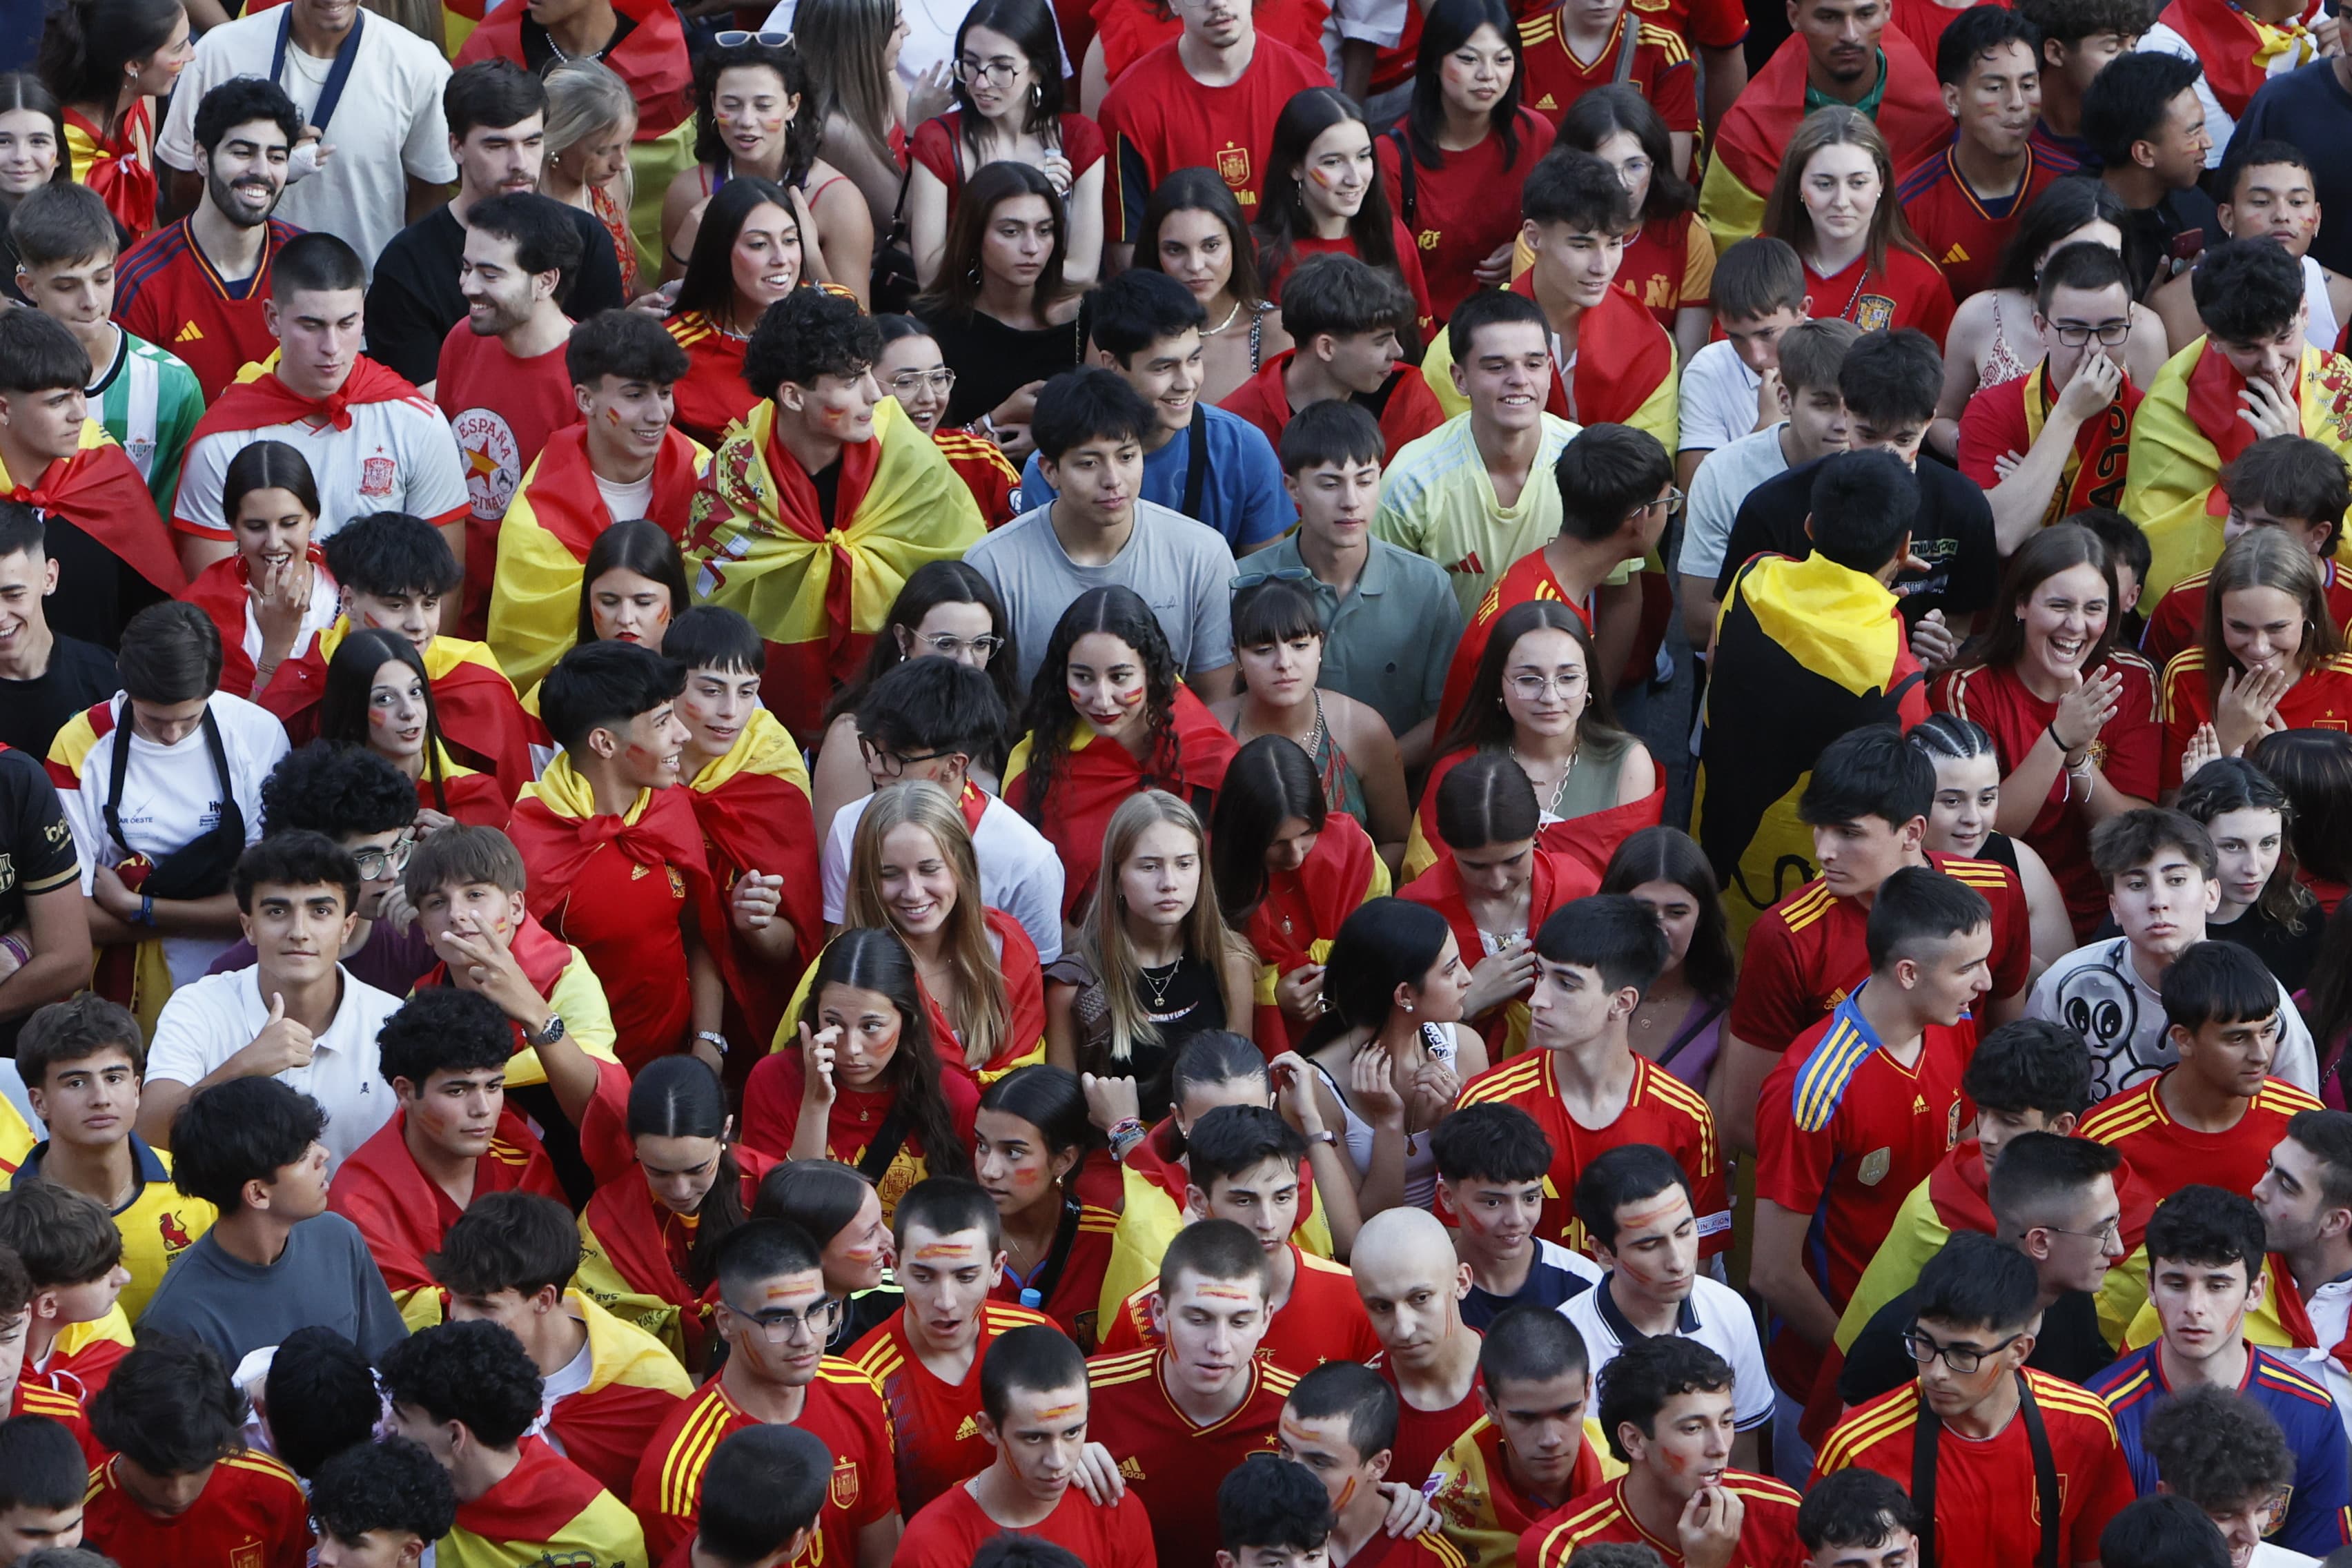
(1241, 491)
(1555, 1276)
(2310, 107)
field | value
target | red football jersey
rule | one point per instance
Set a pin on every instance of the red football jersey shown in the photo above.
(2320, 699)
(1767, 1527)
(31, 1399)
(1987, 1513)
(167, 292)
(1463, 211)
(1965, 232)
(1158, 119)
(502, 410)
(939, 1442)
(952, 1527)
(1075, 1299)
(2178, 621)
(1171, 1464)
(2170, 1156)
(844, 1409)
(1809, 951)
(1661, 1109)
(1423, 1436)
(251, 1514)
(1552, 79)
(1908, 291)
(1323, 1319)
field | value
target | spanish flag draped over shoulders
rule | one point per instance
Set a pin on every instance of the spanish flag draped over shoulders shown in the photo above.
(2239, 50)
(1151, 1211)
(547, 1510)
(634, 1385)
(120, 167)
(1189, 761)
(1625, 368)
(476, 799)
(99, 491)
(1590, 839)
(633, 1255)
(819, 593)
(1755, 134)
(2188, 430)
(1294, 923)
(550, 525)
(1806, 651)
(754, 808)
(222, 591)
(471, 695)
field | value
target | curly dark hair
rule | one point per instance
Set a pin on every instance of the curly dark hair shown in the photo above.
(1051, 718)
(808, 333)
(800, 136)
(393, 1485)
(477, 1373)
(2217, 1448)
(443, 1029)
(322, 787)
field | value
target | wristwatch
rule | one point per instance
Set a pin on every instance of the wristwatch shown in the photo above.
(548, 1033)
(718, 1042)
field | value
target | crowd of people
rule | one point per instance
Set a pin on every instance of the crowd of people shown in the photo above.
(1174, 783)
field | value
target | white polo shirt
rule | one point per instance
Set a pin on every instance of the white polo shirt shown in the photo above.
(206, 1022)
(1019, 872)
(1714, 1315)
(396, 456)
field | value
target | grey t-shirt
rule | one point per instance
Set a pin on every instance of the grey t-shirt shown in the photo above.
(1181, 568)
(324, 1278)
(1722, 483)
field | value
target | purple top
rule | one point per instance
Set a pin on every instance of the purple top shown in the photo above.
(390, 960)
(1690, 1054)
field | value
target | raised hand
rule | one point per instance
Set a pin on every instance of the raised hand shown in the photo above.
(755, 900)
(284, 1043)
(1300, 994)
(817, 1053)
(1507, 972)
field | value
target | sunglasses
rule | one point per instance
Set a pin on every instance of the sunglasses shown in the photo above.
(735, 38)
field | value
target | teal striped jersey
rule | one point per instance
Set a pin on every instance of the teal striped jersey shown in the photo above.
(149, 401)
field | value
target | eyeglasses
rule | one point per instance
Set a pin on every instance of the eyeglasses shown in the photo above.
(375, 864)
(1671, 501)
(1271, 575)
(889, 764)
(999, 70)
(2074, 334)
(947, 645)
(1532, 687)
(2109, 1232)
(907, 385)
(1961, 1359)
(735, 38)
(783, 1325)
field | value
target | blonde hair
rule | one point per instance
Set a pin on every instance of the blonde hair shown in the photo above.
(841, 41)
(981, 1013)
(2269, 558)
(1785, 216)
(1104, 940)
(585, 97)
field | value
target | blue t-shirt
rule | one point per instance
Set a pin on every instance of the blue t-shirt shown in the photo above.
(1241, 493)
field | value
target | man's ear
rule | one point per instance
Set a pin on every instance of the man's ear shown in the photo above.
(1196, 1204)
(402, 1089)
(2179, 1039)
(1913, 835)
(1809, 525)
(1951, 99)
(2063, 1123)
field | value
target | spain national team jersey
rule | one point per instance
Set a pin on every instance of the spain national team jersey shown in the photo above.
(1660, 1109)
(1172, 1464)
(1484, 1509)
(1323, 1319)
(1987, 1510)
(1552, 78)
(2319, 1505)
(938, 1440)
(251, 1514)
(1807, 952)
(1423, 1437)
(546, 1511)
(1767, 1527)
(2170, 1156)
(952, 1527)
(2321, 699)
(65, 1409)
(2178, 621)
(844, 1410)
(168, 291)
(1965, 231)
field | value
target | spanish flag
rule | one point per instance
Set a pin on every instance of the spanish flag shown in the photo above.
(547, 1510)
(649, 54)
(634, 1385)
(476, 799)
(1624, 367)
(632, 1258)
(99, 491)
(120, 167)
(550, 525)
(403, 1214)
(1591, 839)
(2188, 430)
(2239, 50)
(471, 695)
(1553, 880)
(819, 593)
(1755, 134)
(1805, 650)
(1294, 923)
(754, 808)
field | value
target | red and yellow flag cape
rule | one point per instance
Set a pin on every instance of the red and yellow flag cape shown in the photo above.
(547, 1510)
(99, 491)
(1553, 880)
(2186, 432)
(754, 808)
(2239, 51)
(550, 525)
(818, 594)
(1294, 923)
(1590, 839)
(473, 697)
(120, 167)
(634, 1385)
(633, 1255)
(652, 58)
(221, 590)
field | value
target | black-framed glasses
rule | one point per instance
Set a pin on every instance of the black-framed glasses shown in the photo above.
(1270, 574)
(947, 645)
(1961, 1359)
(736, 38)
(999, 70)
(884, 762)
(2074, 334)
(377, 862)
(782, 1325)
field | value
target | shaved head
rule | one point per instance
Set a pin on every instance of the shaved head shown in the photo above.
(1411, 1285)
(1403, 1244)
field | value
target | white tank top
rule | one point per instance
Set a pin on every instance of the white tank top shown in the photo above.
(2321, 329)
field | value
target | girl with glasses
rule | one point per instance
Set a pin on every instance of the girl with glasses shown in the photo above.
(1008, 107)
(274, 595)
(913, 370)
(1534, 698)
(379, 697)
(1834, 202)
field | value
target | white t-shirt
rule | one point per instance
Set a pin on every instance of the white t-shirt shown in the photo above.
(1715, 1316)
(387, 125)
(1724, 477)
(1019, 872)
(396, 456)
(2097, 992)
(211, 1020)
(1719, 398)
(625, 501)
(171, 796)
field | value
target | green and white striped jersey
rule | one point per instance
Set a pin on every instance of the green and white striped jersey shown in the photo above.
(149, 401)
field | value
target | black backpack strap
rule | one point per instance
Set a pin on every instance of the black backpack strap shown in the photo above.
(888, 1139)
(1924, 1433)
(1627, 48)
(1408, 193)
(2045, 1472)
(1196, 463)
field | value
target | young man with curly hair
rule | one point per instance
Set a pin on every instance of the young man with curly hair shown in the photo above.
(381, 1505)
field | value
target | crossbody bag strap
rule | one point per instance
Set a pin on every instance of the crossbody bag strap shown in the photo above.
(888, 1139)
(1926, 1431)
(1196, 463)
(1627, 48)
(1409, 205)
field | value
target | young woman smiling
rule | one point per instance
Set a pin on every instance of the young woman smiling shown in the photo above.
(2072, 716)
(2270, 659)
(748, 253)
(32, 154)
(274, 594)
(1323, 196)
(378, 695)
(1834, 201)
(1193, 231)
(837, 1206)
(1031, 1144)
(1961, 821)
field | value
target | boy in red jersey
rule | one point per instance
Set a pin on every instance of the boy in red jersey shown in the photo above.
(1535, 1449)
(1857, 1519)
(1207, 98)
(1343, 316)
(1863, 1107)
(198, 286)
(1340, 1424)
(470, 1395)
(1583, 1082)
(1965, 198)
(502, 377)
(2280, 482)
(509, 1260)
(453, 1140)
(1666, 1403)
(1242, 1164)
(76, 1334)
(181, 1486)
(767, 1485)
(775, 1314)
(32, 1397)
(1867, 805)
(381, 1505)
(1034, 1404)
(1412, 1288)
(1177, 1418)
(43, 1475)
(926, 1356)
(1974, 1327)
(2215, 1115)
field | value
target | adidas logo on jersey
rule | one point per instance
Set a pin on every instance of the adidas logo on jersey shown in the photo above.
(970, 1429)
(1545, 102)
(1131, 1469)
(1469, 564)
(189, 333)
(1958, 253)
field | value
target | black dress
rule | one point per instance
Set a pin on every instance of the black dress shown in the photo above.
(991, 361)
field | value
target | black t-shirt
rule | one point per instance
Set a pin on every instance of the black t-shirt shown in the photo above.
(1953, 535)
(33, 711)
(413, 300)
(98, 591)
(2068, 1346)
(2177, 229)
(36, 847)
(827, 481)
(539, 51)
(2310, 107)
